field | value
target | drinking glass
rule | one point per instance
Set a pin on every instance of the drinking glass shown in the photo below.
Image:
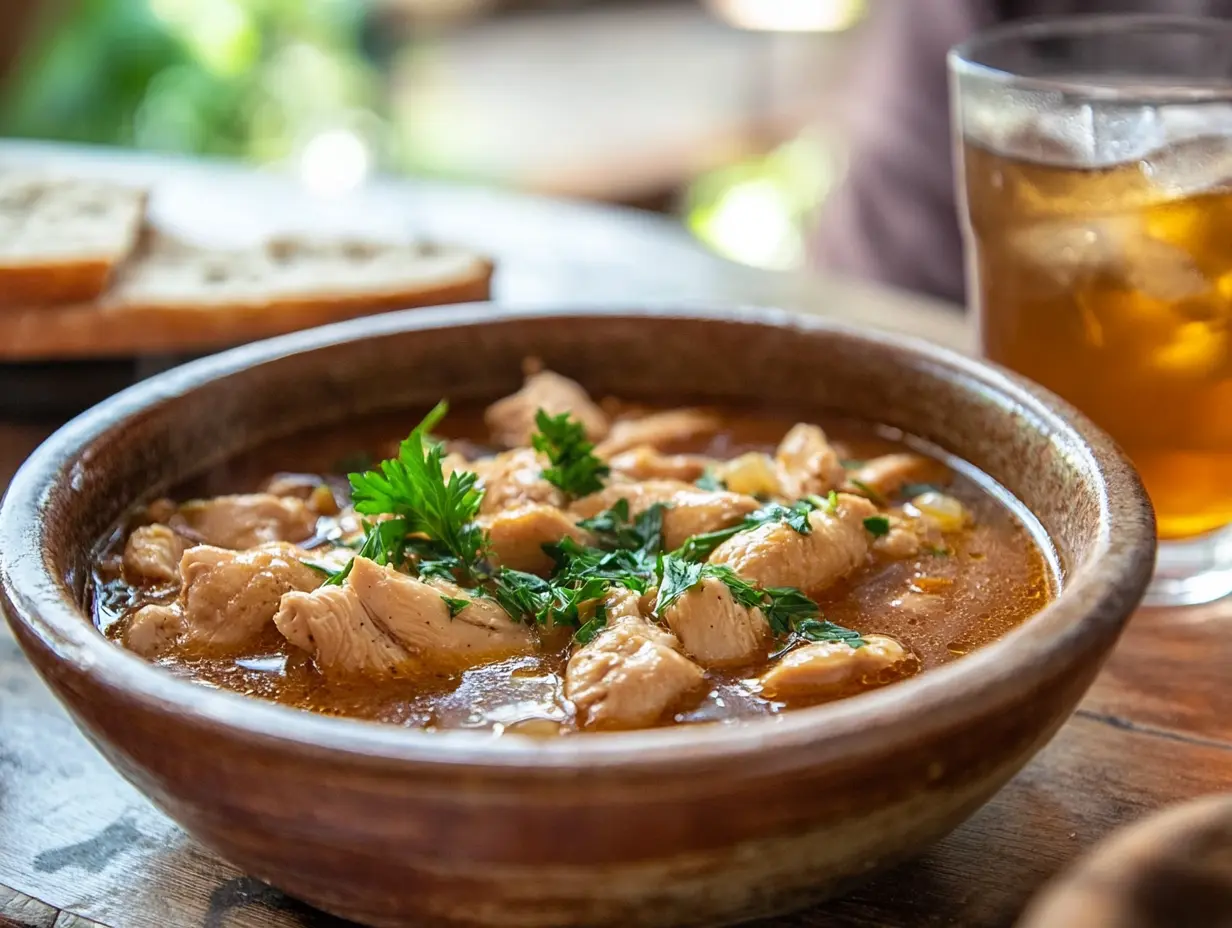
(1094, 170)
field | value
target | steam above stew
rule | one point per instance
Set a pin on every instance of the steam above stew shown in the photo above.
(569, 566)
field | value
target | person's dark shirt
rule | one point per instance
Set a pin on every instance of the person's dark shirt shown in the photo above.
(894, 217)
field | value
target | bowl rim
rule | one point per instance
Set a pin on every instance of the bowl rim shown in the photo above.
(1102, 594)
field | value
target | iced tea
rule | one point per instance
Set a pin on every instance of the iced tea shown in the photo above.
(1112, 286)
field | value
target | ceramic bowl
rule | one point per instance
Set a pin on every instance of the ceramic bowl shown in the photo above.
(677, 826)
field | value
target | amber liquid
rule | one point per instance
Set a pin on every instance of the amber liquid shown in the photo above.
(1112, 288)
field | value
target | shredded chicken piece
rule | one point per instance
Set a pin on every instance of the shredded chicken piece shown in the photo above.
(518, 535)
(807, 464)
(226, 599)
(152, 554)
(632, 673)
(884, 476)
(659, 430)
(714, 629)
(515, 478)
(381, 622)
(248, 520)
(512, 419)
(647, 463)
(775, 554)
(830, 669)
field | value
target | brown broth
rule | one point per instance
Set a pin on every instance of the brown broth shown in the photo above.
(995, 575)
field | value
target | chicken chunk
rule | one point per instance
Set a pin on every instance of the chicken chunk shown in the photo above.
(153, 629)
(830, 669)
(647, 463)
(515, 478)
(775, 554)
(690, 511)
(659, 430)
(886, 475)
(512, 419)
(380, 622)
(518, 535)
(228, 597)
(152, 555)
(714, 629)
(631, 674)
(806, 463)
(898, 544)
(249, 520)
(332, 624)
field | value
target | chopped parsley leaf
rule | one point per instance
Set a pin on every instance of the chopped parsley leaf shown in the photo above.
(520, 594)
(586, 633)
(786, 608)
(708, 481)
(676, 577)
(912, 490)
(877, 526)
(454, 604)
(613, 529)
(824, 630)
(574, 468)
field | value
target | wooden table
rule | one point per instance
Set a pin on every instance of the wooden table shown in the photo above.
(78, 846)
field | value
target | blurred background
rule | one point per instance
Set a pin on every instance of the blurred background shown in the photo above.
(723, 112)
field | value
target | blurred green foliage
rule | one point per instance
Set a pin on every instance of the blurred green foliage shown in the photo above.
(248, 78)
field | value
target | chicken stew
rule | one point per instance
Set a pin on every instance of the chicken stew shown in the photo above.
(557, 565)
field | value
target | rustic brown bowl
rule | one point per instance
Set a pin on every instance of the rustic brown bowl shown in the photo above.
(677, 826)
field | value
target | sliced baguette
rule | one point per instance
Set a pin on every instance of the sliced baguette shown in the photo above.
(175, 297)
(62, 239)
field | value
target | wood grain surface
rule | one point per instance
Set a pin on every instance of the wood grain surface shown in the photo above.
(80, 847)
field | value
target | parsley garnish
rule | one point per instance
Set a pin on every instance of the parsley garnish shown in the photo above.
(676, 577)
(912, 490)
(787, 609)
(708, 481)
(587, 632)
(576, 565)
(413, 488)
(613, 529)
(824, 630)
(574, 468)
(877, 526)
(384, 543)
(454, 604)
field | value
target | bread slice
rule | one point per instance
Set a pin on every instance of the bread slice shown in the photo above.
(175, 297)
(60, 238)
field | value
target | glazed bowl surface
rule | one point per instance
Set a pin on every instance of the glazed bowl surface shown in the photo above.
(690, 825)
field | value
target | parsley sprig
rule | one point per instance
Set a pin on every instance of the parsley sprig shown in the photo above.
(424, 514)
(413, 488)
(574, 467)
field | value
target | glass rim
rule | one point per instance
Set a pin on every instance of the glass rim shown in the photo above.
(962, 58)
